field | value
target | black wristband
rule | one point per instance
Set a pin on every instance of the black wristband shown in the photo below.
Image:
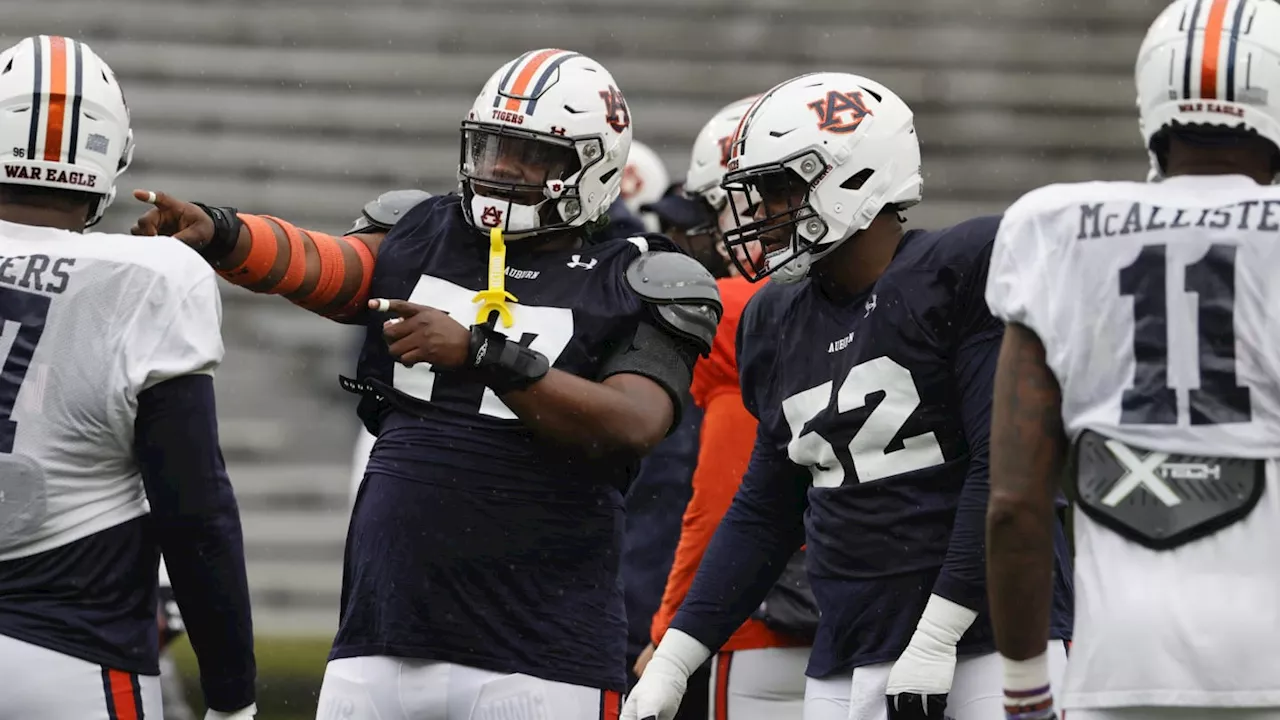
(226, 232)
(504, 365)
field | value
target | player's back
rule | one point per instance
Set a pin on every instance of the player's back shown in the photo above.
(1155, 306)
(84, 316)
(1161, 318)
(88, 325)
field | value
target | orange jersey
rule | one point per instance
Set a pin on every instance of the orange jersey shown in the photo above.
(728, 433)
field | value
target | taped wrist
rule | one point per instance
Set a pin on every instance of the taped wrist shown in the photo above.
(945, 621)
(226, 231)
(1026, 687)
(505, 365)
(681, 650)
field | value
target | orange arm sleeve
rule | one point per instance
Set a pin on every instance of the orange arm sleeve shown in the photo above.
(325, 274)
(728, 434)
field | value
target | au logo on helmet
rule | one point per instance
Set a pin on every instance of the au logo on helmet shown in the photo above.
(726, 150)
(615, 109)
(840, 112)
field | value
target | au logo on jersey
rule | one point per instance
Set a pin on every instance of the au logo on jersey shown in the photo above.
(615, 109)
(840, 112)
(491, 217)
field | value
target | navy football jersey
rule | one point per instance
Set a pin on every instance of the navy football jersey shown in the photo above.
(473, 540)
(870, 410)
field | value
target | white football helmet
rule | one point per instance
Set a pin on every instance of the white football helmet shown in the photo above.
(544, 145)
(644, 180)
(709, 159)
(1210, 64)
(63, 120)
(835, 150)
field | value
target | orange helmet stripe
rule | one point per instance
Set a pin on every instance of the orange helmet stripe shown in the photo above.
(525, 76)
(57, 99)
(1212, 49)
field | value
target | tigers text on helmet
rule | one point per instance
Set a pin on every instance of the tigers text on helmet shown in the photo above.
(63, 120)
(544, 145)
(1210, 65)
(819, 157)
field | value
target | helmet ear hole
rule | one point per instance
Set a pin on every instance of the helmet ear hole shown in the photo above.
(857, 181)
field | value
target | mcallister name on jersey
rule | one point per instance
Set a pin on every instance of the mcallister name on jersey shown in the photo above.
(1098, 220)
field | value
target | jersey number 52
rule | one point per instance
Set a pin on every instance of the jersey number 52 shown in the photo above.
(1220, 399)
(868, 450)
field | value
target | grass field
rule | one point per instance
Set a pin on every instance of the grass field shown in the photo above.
(289, 674)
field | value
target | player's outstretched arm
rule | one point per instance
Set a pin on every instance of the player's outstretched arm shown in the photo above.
(326, 274)
(1029, 450)
(761, 530)
(197, 523)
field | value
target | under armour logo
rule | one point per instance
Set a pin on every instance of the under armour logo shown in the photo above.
(1139, 473)
(869, 305)
(576, 262)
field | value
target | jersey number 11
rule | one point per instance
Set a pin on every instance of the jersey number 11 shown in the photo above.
(1219, 399)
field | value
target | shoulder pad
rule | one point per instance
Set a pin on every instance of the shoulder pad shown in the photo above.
(683, 293)
(381, 214)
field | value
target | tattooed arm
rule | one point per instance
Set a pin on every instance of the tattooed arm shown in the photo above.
(1028, 449)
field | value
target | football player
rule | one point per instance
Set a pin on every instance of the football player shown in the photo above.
(481, 571)
(868, 361)
(1139, 357)
(699, 206)
(759, 671)
(109, 441)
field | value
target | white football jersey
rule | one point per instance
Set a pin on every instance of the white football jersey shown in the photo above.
(89, 322)
(1157, 307)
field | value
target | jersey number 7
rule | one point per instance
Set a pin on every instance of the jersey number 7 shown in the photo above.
(1220, 399)
(26, 311)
